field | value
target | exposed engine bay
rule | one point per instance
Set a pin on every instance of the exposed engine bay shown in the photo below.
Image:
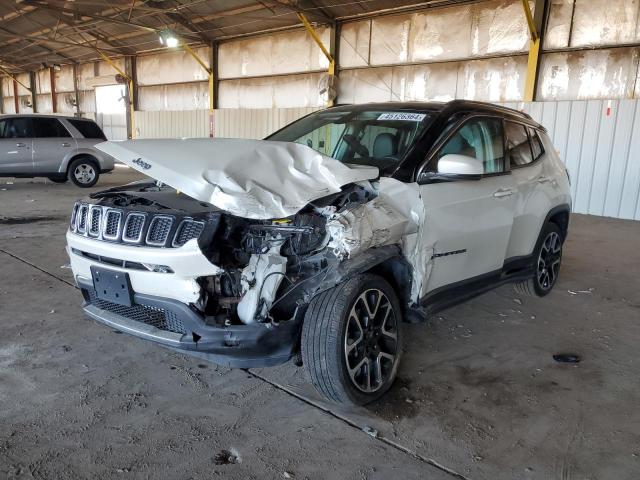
(241, 249)
(267, 268)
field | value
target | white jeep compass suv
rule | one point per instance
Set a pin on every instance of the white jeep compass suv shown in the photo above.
(317, 243)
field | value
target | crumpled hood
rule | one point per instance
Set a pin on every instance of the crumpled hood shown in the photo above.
(257, 179)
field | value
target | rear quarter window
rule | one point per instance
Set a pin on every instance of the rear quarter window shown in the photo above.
(88, 129)
(536, 144)
(518, 144)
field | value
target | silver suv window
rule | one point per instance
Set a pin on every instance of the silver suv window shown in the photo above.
(18, 127)
(49, 128)
(87, 128)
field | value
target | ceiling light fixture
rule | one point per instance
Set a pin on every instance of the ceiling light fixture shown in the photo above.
(168, 39)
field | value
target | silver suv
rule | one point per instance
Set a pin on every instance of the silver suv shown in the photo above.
(59, 148)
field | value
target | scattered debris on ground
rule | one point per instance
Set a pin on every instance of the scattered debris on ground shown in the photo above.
(227, 457)
(567, 358)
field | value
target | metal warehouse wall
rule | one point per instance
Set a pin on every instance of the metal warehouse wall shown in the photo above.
(598, 139)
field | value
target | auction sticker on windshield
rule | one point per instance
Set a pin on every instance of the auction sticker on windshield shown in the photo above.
(407, 116)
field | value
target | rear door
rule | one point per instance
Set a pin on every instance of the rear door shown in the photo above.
(534, 186)
(16, 146)
(52, 143)
(468, 219)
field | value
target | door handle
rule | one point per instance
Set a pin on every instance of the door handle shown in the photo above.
(20, 144)
(503, 192)
(66, 144)
(543, 179)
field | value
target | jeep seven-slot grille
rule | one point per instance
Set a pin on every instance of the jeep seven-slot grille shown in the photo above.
(187, 230)
(95, 216)
(82, 218)
(156, 317)
(112, 224)
(134, 227)
(159, 230)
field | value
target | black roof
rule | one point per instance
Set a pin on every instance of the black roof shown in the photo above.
(445, 108)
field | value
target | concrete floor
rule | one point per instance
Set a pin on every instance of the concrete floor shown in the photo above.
(479, 395)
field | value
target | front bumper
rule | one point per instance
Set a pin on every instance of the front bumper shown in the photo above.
(173, 324)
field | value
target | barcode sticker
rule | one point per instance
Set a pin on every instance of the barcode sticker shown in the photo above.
(407, 116)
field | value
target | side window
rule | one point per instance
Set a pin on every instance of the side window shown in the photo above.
(480, 139)
(16, 128)
(536, 144)
(87, 128)
(518, 144)
(49, 128)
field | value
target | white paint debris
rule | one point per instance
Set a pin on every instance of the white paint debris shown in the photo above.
(583, 292)
(370, 431)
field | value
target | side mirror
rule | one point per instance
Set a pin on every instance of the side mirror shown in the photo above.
(454, 164)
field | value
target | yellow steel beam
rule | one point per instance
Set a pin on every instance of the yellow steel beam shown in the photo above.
(532, 70)
(534, 53)
(207, 69)
(112, 63)
(129, 88)
(532, 26)
(316, 38)
(14, 78)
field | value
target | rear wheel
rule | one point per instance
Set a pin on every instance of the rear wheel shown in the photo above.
(351, 342)
(84, 172)
(548, 257)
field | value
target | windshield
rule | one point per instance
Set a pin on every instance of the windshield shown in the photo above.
(371, 137)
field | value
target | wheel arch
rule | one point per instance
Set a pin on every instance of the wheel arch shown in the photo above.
(560, 216)
(65, 166)
(387, 262)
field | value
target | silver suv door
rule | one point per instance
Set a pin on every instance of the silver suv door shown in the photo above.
(52, 143)
(16, 146)
(468, 217)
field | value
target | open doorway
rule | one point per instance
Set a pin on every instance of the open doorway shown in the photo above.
(111, 111)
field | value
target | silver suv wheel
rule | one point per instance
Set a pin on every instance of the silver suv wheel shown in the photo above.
(84, 173)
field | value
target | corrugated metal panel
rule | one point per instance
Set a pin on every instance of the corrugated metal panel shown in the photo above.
(599, 140)
(228, 122)
(114, 126)
(172, 124)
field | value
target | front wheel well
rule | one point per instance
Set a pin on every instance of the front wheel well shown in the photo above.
(396, 271)
(78, 156)
(561, 219)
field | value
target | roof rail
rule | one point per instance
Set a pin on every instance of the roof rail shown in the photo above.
(457, 105)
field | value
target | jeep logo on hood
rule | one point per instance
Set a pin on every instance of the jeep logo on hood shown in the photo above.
(141, 163)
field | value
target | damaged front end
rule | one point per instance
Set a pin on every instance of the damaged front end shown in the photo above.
(167, 267)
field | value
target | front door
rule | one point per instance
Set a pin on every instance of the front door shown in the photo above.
(16, 141)
(468, 218)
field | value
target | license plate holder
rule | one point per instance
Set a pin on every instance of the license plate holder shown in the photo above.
(112, 286)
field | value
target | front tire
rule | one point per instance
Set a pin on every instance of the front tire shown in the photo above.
(84, 172)
(351, 340)
(548, 258)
